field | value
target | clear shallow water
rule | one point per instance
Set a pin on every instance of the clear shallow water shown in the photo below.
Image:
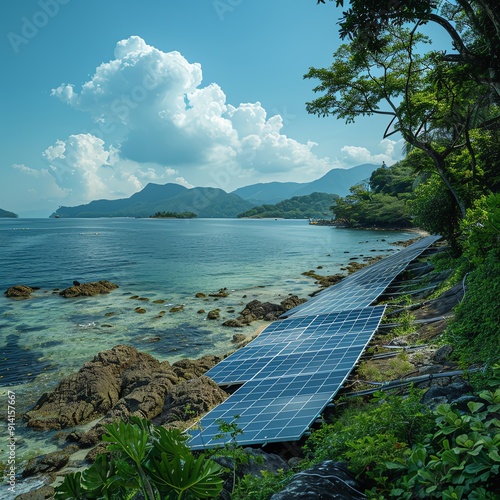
(46, 337)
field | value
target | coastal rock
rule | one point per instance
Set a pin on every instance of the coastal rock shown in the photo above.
(43, 493)
(446, 394)
(19, 292)
(51, 462)
(191, 368)
(291, 302)
(190, 399)
(233, 323)
(267, 311)
(93, 390)
(327, 480)
(220, 294)
(177, 309)
(238, 338)
(214, 314)
(441, 355)
(88, 289)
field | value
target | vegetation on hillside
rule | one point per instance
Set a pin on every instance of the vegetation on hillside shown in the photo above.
(315, 205)
(381, 202)
(5, 213)
(174, 215)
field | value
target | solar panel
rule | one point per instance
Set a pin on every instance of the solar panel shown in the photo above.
(270, 410)
(361, 288)
(306, 361)
(287, 340)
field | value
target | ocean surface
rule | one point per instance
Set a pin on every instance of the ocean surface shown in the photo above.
(46, 337)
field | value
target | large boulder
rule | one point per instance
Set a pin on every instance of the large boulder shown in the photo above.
(116, 384)
(88, 289)
(190, 399)
(19, 292)
(94, 389)
(267, 311)
(45, 492)
(326, 481)
(51, 462)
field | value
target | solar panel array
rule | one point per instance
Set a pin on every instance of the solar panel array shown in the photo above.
(301, 345)
(361, 288)
(294, 368)
(291, 372)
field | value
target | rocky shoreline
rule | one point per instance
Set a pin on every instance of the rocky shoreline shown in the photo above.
(124, 382)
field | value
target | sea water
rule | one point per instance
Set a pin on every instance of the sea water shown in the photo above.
(169, 261)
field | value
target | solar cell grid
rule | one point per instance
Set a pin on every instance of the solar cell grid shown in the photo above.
(319, 333)
(287, 365)
(271, 411)
(360, 289)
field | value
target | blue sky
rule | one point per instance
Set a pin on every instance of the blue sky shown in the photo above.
(101, 97)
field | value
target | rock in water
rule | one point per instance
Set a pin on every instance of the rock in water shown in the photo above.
(115, 384)
(19, 291)
(92, 391)
(88, 289)
(326, 481)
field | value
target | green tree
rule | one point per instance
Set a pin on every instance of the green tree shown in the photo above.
(473, 27)
(433, 104)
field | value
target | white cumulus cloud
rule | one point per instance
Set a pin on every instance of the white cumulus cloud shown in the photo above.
(156, 122)
(392, 151)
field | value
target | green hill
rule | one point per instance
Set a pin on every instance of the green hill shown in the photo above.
(315, 205)
(202, 201)
(5, 213)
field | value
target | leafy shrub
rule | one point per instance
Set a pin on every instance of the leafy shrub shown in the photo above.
(474, 330)
(461, 458)
(481, 228)
(144, 460)
(261, 488)
(367, 435)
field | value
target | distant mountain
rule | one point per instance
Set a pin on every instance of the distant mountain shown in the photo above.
(336, 181)
(5, 213)
(205, 202)
(268, 192)
(315, 205)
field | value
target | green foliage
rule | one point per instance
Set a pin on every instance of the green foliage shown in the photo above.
(481, 228)
(435, 210)
(261, 488)
(315, 205)
(461, 458)
(174, 215)
(147, 462)
(364, 208)
(474, 329)
(368, 435)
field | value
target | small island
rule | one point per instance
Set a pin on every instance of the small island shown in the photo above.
(6, 214)
(174, 215)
